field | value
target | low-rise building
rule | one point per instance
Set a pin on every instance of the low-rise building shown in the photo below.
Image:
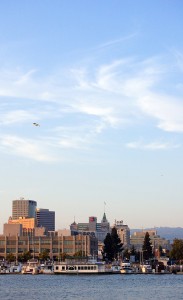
(56, 246)
(137, 240)
(12, 229)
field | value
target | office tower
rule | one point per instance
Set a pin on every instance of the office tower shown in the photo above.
(45, 218)
(23, 208)
(123, 232)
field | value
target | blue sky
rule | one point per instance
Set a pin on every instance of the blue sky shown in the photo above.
(104, 79)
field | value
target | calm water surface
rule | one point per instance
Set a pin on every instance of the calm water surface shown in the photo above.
(51, 287)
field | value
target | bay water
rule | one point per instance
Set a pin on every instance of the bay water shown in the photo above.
(91, 287)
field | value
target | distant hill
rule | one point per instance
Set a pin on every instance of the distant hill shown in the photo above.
(169, 233)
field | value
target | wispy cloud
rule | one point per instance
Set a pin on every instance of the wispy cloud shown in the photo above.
(118, 41)
(17, 116)
(167, 110)
(151, 146)
(25, 148)
(78, 105)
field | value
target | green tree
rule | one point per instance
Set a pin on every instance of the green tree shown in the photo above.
(108, 252)
(62, 256)
(25, 256)
(147, 247)
(10, 257)
(44, 255)
(134, 252)
(116, 242)
(160, 250)
(79, 253)
(112, 246)
(177, 249)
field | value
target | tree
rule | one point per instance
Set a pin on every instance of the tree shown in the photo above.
(160, 250)
(108, 252)
(44, 255)
(10, 257)
(79, 253)
(112, 245)
(147, 247)
(177, 249)
(116, 242)
(25, 256)
(135, 253)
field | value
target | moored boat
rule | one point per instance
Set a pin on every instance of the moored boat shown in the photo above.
(146, 268)
(80, 266)
(126, 268)
(46, 268)
(32, 267)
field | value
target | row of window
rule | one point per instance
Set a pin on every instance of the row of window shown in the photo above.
(75, 268)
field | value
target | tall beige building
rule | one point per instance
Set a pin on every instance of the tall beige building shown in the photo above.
(23, 208)
(123, 232)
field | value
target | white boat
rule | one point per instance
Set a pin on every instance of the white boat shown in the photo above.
(126, 268)
(46, 268)
(81, 266)
(16, 268)
(116, 269)
(31, 267)
(146, 268)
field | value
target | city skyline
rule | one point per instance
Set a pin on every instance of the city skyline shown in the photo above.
(91, 109)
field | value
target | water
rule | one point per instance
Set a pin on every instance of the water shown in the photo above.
(92, 287)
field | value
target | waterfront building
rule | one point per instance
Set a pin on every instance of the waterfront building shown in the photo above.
(56, 246)
(45, 218)
(23, 208)
(123, 232)
(137, 240)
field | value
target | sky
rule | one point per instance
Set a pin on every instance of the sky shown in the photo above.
(104, 80)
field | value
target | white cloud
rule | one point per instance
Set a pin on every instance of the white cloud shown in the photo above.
(167, 110)
(151, 146)
(113, 95)
(17, 116)
(25, 148)
(117, 41)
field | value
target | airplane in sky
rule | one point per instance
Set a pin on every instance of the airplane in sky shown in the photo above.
(35, 124)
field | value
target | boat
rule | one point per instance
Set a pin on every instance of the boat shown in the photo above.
(4, 267)
(126, 268)
(17, 268)
(146, 268)
(116, 269)
(46, 268)
(81, 266)
(32, 267)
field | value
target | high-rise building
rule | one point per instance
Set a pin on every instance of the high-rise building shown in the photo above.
(123, 232)
(23, 208)
(45, 218)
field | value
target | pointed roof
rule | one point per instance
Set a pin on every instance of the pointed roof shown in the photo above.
(104, 219)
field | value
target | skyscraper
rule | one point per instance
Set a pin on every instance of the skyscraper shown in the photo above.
(23, 208)
(45, 218)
